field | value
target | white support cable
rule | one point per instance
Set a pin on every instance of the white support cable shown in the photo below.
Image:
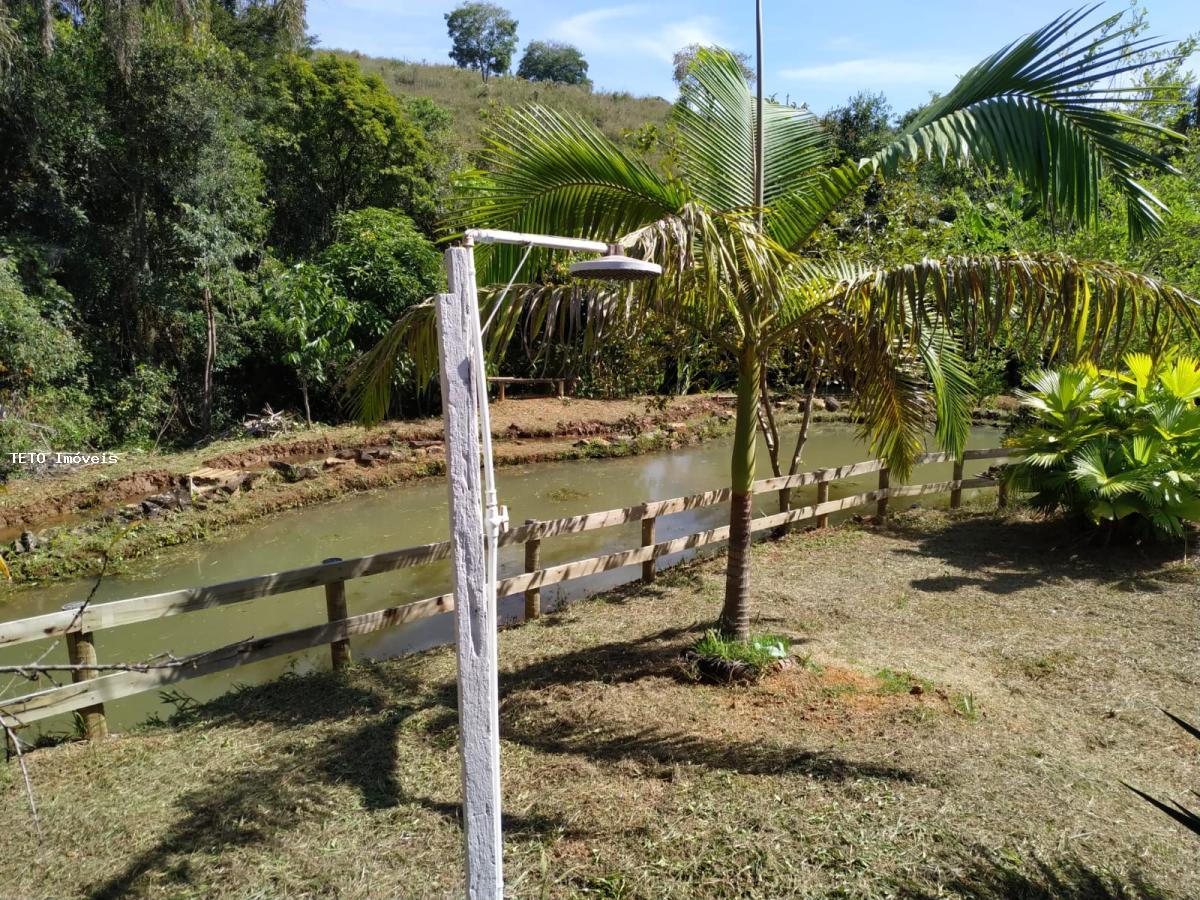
(507, 288)
(495, 517)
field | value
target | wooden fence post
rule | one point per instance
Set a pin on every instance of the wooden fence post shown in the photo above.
(1002, 492)
(650, 566)
(474, 610)
(335, 608)
(822, 497)
(81, 651)
(533, 562)
(881, 506)
(956, 493)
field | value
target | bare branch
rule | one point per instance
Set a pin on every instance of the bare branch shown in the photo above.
(16, 744)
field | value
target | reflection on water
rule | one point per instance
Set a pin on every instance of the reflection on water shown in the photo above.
(416, 514)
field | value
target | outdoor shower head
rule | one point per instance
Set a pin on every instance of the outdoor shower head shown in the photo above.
(616, 266)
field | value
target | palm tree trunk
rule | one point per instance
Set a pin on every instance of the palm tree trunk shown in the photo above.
(785, 494)
(735, 615)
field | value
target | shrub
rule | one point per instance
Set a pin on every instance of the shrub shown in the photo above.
(721, 659)
(43, 404)
(1120, 447)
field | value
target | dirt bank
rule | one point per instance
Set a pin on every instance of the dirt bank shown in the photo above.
(153, 501)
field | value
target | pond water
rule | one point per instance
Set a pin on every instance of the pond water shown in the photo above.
(408, 515)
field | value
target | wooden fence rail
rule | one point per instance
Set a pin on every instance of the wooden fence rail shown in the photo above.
(91, 690)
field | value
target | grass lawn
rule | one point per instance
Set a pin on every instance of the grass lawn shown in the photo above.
(969, 694)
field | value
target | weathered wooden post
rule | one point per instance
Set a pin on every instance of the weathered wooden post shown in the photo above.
(81, 651)
(335, 609)
(1002, 491)
(881, 506)
(533, 595)
(956, 491)
(649, 567)
(474, 611)
(823, 497)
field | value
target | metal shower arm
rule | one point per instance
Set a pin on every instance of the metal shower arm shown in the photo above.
(546, 241)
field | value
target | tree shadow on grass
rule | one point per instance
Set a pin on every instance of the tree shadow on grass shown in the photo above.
(986, 876)
(526, 717)
(345, 729)
(359, 716)
(1005, 556)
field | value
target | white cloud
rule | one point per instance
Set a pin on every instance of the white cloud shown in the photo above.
(843, 42)
(616, 31)
(587, 29)
(881, 71)
(409, 9)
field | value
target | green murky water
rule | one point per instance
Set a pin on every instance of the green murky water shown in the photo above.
(404, 516)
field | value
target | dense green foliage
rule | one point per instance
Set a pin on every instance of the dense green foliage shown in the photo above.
(171, 187)
(1119, 447)
(484, 37)
(553, 61)
(311, 322)
(339, 141)
(165, 193)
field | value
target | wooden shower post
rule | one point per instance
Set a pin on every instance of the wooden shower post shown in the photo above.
(474, 611)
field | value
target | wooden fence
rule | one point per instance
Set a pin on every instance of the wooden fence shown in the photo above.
(90, 688)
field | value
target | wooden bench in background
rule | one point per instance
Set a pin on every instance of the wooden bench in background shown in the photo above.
(560, 384)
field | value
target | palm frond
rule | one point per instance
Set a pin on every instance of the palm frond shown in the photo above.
(954, 391)
(551, 173)
(796, 214)
(1081, 305)
(715, 117)
(1177, 811)
(545, 315)
(1045, 108)
(893, 402)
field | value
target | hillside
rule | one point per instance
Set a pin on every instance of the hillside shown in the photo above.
(472, 102)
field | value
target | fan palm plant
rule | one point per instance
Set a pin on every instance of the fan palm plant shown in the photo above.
(739, 270)
(1118, 447)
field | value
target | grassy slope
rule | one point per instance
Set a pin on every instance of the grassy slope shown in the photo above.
(1039, 671)
(463, 93)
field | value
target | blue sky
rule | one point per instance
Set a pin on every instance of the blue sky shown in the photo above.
(819, 53)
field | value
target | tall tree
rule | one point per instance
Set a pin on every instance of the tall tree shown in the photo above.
(340, 140)
(1044, 107)
(553, 61)
(682, 61)
(484, 37)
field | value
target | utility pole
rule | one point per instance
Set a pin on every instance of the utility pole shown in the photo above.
(759, 150)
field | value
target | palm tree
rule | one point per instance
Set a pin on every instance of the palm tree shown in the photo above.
(737, 270)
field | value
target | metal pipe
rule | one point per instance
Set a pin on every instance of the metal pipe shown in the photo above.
(548, 242)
